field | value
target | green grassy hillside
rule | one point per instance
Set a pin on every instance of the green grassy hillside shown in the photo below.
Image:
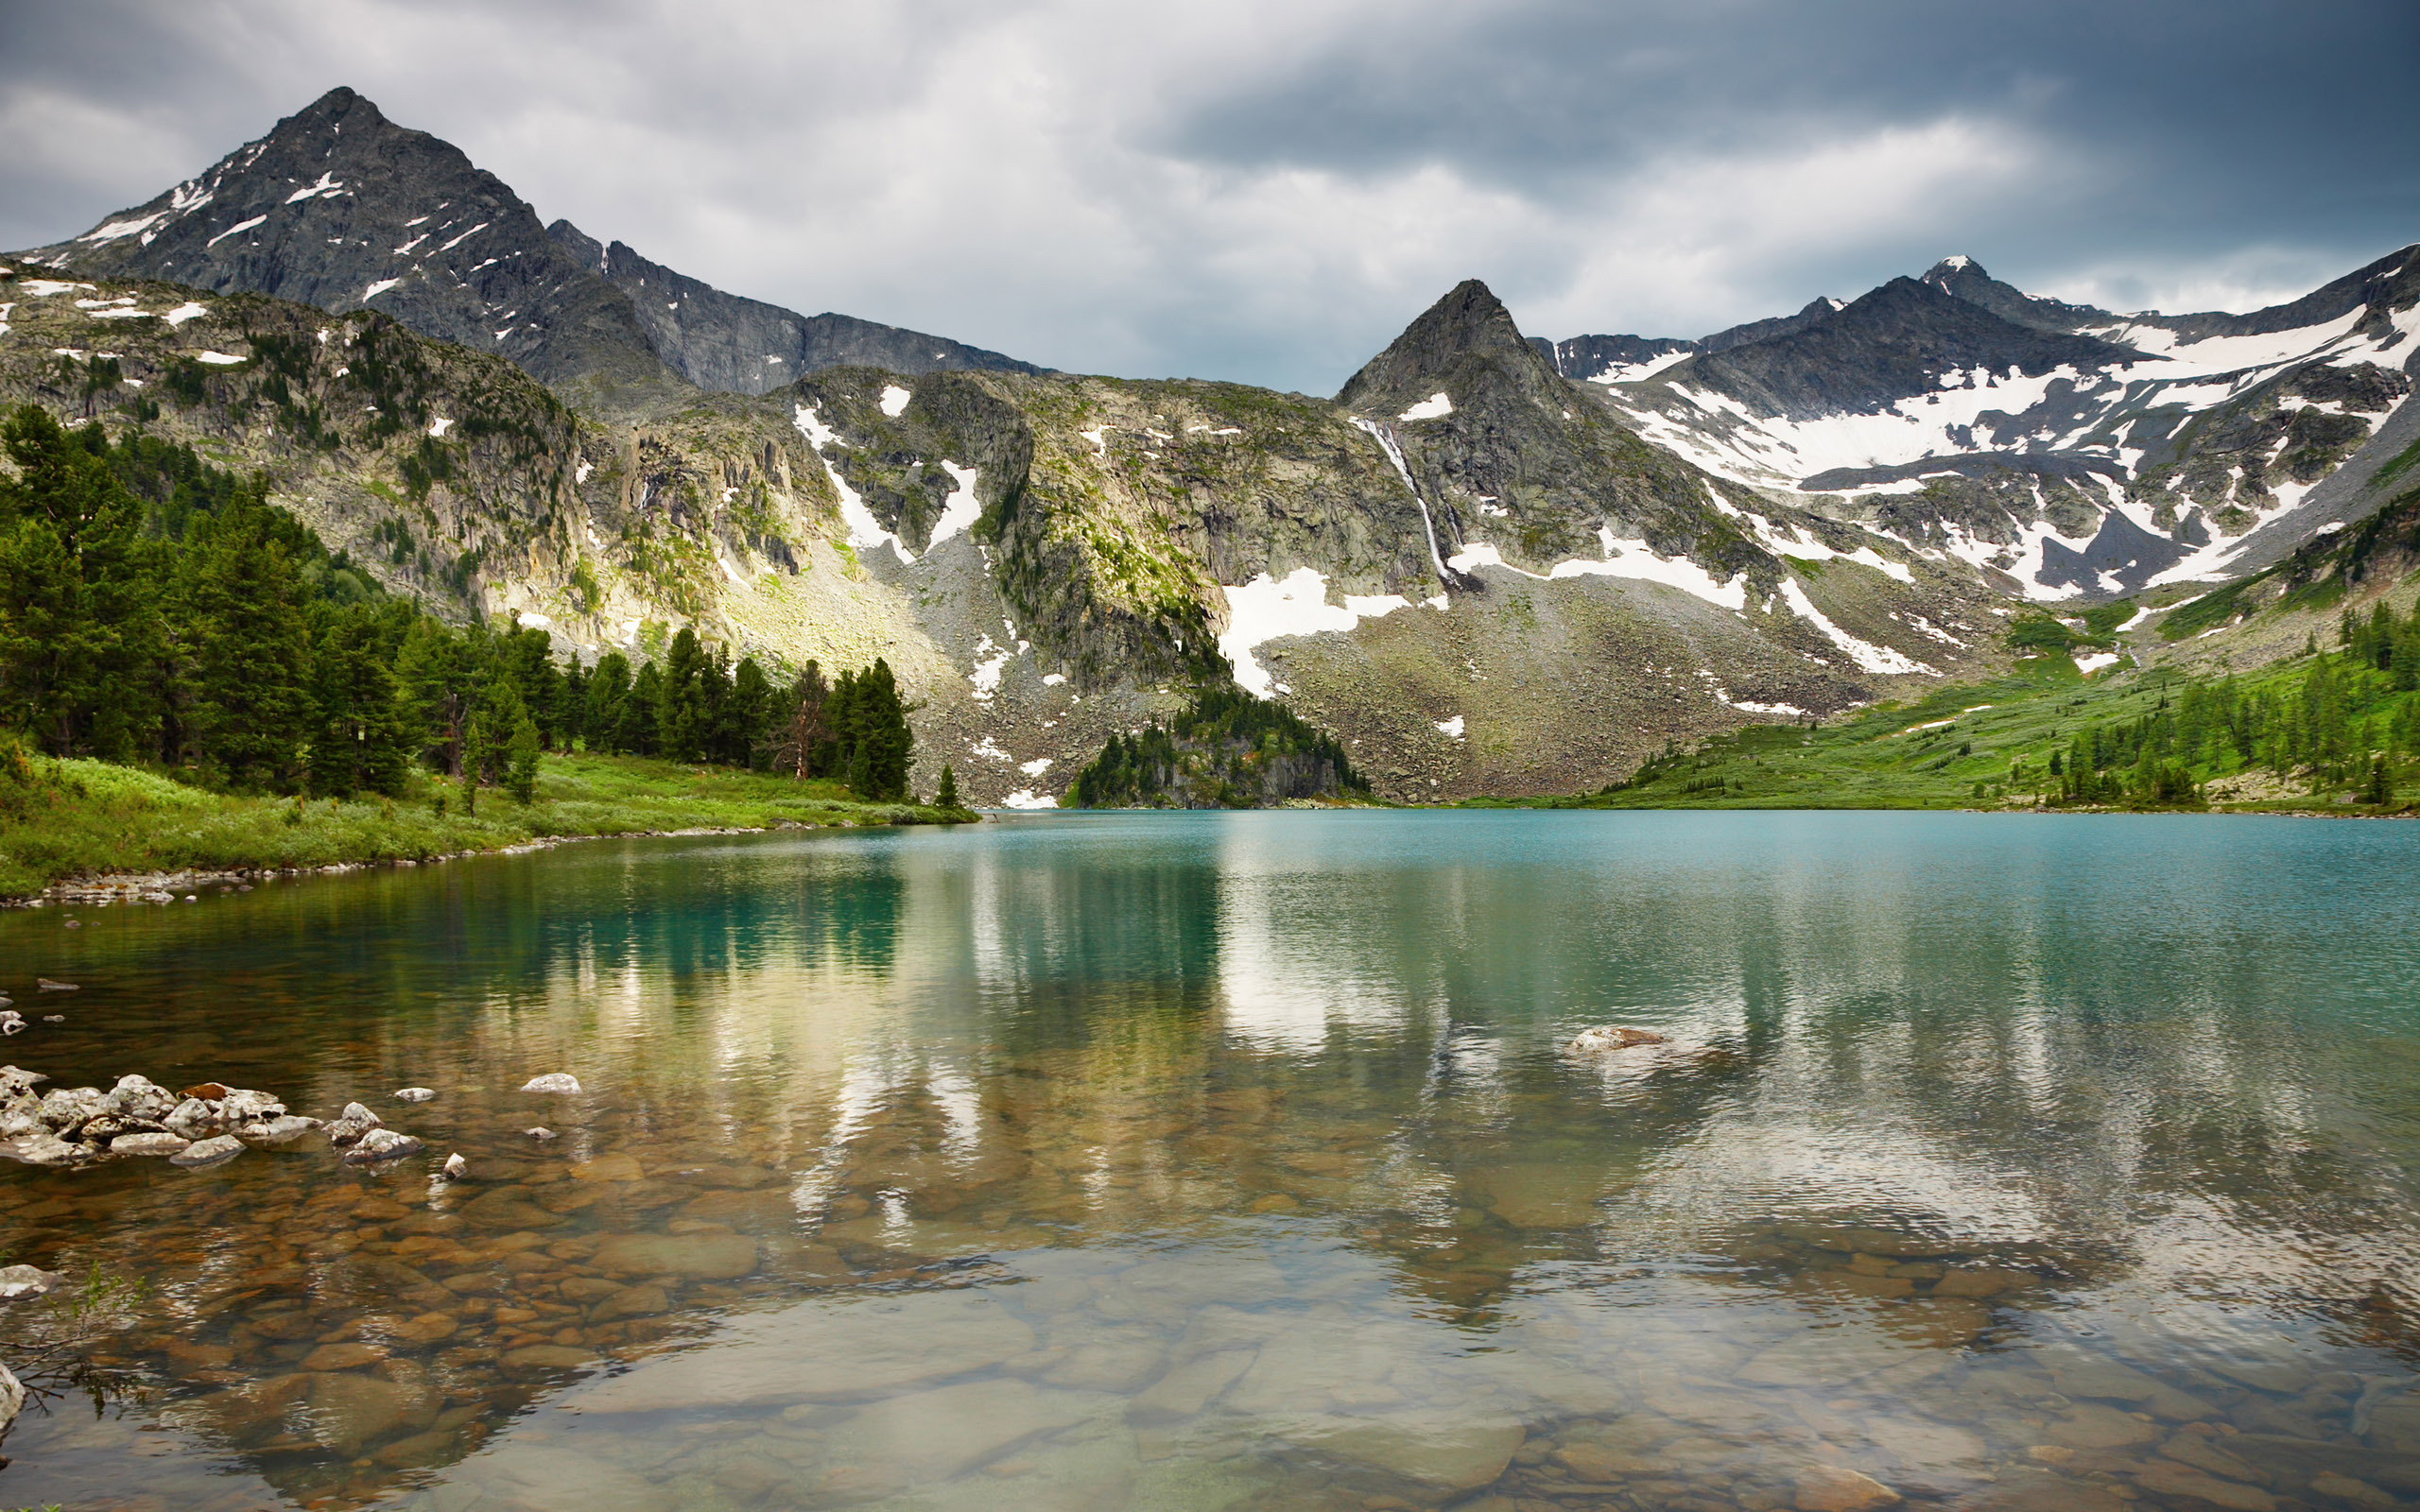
(67, 819)
(2331, 731)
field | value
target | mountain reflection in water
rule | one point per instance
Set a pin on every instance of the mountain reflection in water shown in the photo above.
(1233, 1161)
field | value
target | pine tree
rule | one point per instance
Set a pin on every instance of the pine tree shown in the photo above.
(635, 727)
(357, 742)
(250, 652)
(79, 598)
(609, 688)
(521, 770)
(946, 797)
(475, 757)
(685, 699)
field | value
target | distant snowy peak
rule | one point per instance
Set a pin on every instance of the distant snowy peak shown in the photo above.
(2076, 450)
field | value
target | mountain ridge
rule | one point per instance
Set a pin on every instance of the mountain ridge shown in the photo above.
(402, 220)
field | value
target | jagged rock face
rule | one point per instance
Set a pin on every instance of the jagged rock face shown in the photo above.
(1901, 339)
(718, 340)
(1519, 464)
(341, 208)
(1586, 358)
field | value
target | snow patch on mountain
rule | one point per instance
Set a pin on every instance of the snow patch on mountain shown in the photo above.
(865, 531)
(1868, 656)
(1268, 609)
(961, 509)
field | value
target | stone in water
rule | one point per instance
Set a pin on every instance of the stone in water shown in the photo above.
(559, 1081)
(46, 985)
(455, 1168)
(208, 1152)
(414, 1094)
(382, 1144)
(541, 1133)
(1609, 1037)
(27, 1281)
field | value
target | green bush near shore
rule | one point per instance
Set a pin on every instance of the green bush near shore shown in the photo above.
(66, 819)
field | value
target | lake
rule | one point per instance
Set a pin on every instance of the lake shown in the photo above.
(1210, 1160)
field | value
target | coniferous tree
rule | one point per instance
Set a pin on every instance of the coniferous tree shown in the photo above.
(684, 700)
(609, 688)
(947, 796)
(80, 610)
(634, 730)
(357, 740)
(521, 768)
(250, 649)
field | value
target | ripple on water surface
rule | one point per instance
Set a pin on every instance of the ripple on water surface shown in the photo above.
(1235, 1162)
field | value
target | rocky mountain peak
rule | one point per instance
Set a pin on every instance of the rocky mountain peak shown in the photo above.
(1468, 329)
(337, 206)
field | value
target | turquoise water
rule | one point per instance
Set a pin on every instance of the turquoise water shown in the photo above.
(1235, 1160)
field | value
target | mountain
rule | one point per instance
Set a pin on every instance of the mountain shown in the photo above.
(1466, 568)
(1488, 565)
(341, 208)
(745, 345)
(2063, 450)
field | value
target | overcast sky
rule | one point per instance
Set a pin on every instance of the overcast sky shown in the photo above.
(1267, 190)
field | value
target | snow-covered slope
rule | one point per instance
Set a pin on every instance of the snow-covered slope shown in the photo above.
(2065, 451)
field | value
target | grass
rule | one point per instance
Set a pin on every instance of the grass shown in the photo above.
(1932, 753)
(87, 818)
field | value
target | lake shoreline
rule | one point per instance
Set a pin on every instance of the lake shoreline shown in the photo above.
(95, 832)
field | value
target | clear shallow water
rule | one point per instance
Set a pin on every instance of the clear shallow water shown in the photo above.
(1211, 1161)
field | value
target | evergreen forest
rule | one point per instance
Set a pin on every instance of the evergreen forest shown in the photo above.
(1225, 749)
(158, 610)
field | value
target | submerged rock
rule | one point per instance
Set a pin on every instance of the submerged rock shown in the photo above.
(1606, 1037)
(216, 1150)
(559, 1081)
(46, 985)
(541, 1134)
(414, 1094)
(455, 1168)
(716, 1257)
(1831, 1488)
(382, 1144)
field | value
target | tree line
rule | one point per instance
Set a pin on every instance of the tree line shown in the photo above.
(2339, 726)
(155, 608)
(1225, 749)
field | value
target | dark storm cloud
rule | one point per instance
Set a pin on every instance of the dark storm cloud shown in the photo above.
(1268, 189)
